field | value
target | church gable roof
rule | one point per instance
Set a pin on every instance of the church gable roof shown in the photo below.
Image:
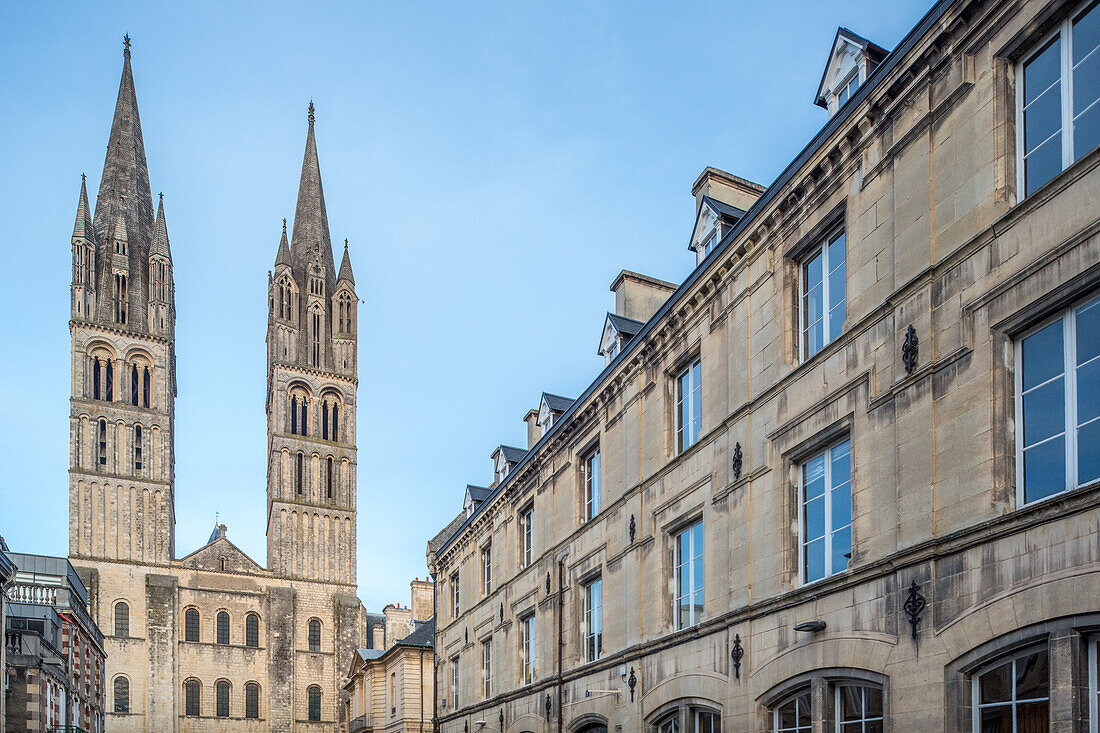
(218, 549)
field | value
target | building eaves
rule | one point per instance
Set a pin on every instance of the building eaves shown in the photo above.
(881, 71)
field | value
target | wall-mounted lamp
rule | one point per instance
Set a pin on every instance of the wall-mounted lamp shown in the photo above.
(812, 627)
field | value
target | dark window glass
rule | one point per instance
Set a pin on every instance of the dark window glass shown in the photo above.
(252, 700)
(221, 691)
(298, 473)
(134, 386)
(328, 479)
(96, 379)
(335, 422)
(191, 690)
(314, 635)
(110, 390)
(145, 388)
(252, 630)
(122, 619)
(314, 694)
(305, 405)
(191, 625)
(324, 420)
(122, 695)
(223, 627)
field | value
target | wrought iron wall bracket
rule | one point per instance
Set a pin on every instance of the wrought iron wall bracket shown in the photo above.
(914, 606)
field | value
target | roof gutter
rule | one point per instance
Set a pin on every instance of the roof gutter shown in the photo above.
(836, 121)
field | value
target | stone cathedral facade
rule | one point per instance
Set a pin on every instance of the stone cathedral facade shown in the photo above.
(211, 640)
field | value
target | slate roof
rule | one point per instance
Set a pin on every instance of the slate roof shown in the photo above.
(513, 454)
(726, 210)
(368, 654)
(555, 402)
(423, 635)
(477, 493)
(626, 326)
(445, 534)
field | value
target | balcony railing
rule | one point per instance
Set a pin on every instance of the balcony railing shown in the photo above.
(360, 724)
(42, 595)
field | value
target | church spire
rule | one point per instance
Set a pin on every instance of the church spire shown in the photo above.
(310, 218)
(283, 255)
(83, 226)
(345, 267)
(160, 234)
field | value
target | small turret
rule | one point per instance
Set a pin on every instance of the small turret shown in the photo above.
(344, 304)
(161, 284)
(282, 257)
(345, 269)
(84, 247)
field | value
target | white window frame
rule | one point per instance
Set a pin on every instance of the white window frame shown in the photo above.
(1069, 376)
(487, 667)
(456, 682)
(694, 584)
(822, 248)
(685, 434)
(593, 619)
(863, 701)
(794, 697)
(852, 76)
(527, 536)
(975, 685)
(592, 485)
(455, 597)
(1064, 32)
(527, 642)
(829, 528)
(487, 569)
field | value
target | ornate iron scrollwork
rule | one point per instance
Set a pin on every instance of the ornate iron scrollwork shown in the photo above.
(737, 459)
(632, 680)
(502, 611)
(633, 528)
(547, 582)
(909, 350)
(501, 718)
(549, 705)
(738, 654)
(467, 636)
(914, 605)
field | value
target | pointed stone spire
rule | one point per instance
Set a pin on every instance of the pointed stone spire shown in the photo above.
(118, 228)
(345, 267)
(125, 173)
(160, 234)
(310, 218)
(283, 256)
(83, 227)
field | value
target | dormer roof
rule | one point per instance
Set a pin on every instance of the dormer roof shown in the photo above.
(474, 496)
(845, 42)
(710, 212)
(550, 407)
(617, 327)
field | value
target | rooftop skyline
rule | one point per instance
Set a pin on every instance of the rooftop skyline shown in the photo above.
(492, 180)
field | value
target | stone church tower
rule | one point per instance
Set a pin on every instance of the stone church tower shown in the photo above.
(211, 640)
(121, 478)
(311, 382)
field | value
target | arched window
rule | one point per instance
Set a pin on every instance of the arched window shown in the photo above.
(109, 388)
(221, 693)
(252, 630)
(335, 421)
(137, 448)
(314, 635)
(145, 390)
(122, 695)
(122, 619)
(324, 419)
(134, 385)
(329, 470)
(252, 700)
(299, 459)
(96, 379)
(192, 691)
(191, 624)
(315, 351)
(305, 406)
(223, 627)
(314, 695)
(102, 442)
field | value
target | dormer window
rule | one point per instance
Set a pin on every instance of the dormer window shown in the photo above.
(617, 332)
(851, 62)
(848, 90)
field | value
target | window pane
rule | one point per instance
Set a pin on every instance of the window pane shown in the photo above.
(1032, 677)
(1088, 453)
(872, 702)
(1042, 118)
(814, 272)
(1088, 332)
(1043, 355)
(851, 704)
(813, 476)
(815, 518)
(842, 549)
(1088, 391)
(1044, 469)
(1033, 716)
(995, 720)
(995, 685)
(1042, 71)
(841, 456)
(1044, 412)
(836, 319)
(815, 560)
(1086, 86)
(1086, 34)
(1043, 164)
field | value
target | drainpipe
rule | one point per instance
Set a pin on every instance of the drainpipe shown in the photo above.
(435, 667)
(561, 636)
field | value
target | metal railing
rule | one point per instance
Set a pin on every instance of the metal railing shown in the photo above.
(360, 724)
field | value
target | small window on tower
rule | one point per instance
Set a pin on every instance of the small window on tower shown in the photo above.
(145, 389)
(328, 478)
(134, 385)
(298, 473)
(96, 379)
(137, 448)
(103, 442)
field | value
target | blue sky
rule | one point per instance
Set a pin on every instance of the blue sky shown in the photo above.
(493, 166)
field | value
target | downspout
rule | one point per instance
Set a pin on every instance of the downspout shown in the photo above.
(561, 636)
(421, 678)
(435, 667)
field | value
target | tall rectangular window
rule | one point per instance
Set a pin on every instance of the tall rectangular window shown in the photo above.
(527, 648)
(487, 569)
(137, 448)
(454, 683)
(593, 620)
(527, 536)
(1058, 404)
(1058, 99)
(826, 508)
(689, 576)
(454, 596)
(823, 294)
(487, 668)
(689, 406)
(591, 485)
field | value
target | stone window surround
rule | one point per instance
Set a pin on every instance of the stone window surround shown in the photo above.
(1066, 639)
(669, 531)
(683, 705)
(582, 451)
(821, 683)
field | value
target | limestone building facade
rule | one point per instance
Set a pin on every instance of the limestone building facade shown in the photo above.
(844, 477)
(213, 639)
